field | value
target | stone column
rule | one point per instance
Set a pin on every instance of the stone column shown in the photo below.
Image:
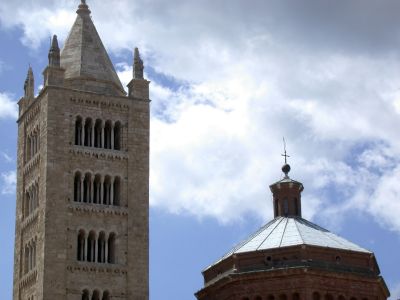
(112, 193)
(83, 134)
(92, 142)
(91, 189)
(82, 186)
(85, 244)
(102, 136)
(106, 251)
(102, 190)
(112, 135)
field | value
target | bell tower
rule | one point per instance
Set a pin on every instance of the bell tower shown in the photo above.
(83, 176)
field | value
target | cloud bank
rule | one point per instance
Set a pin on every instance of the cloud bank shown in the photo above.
(230, 79)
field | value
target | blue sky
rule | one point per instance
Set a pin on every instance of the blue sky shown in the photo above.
(228, 81)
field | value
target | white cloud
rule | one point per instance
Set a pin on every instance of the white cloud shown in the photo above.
(395, 292)
(243, 78)
(8, 107)
(6, 157)
(9, 181)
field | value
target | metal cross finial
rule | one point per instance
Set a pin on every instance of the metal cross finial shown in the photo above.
(284, 149)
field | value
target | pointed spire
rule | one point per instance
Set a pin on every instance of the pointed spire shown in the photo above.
(54, 53)
(29, 84)
(83, 8)
(137, 65)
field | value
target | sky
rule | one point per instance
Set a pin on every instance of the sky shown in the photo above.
(229, 79)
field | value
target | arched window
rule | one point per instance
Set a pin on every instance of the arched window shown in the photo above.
(107, 135)
(117, 136)
(316, 296)
(101, 248)
(116, 191)
(285, 207)
(88, 132)
(107, 190)
(96, 295)
(26, 259)
(77, 187)
(98, 134)
(80, 249)
(276, 207)
(91, 246)
(111, 248)
(328, 297)
(97, 189)
(28, 148)
(26, 204)
(106, 295)
(87, 188)
(78, 131)
(85, 295)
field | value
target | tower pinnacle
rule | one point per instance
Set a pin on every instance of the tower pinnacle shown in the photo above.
(54, 53)
(29, 84)
(137, 65)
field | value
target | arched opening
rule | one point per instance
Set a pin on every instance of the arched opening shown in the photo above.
(285, 207)
(117, 136)
(276, 208)
(26, 259)
(107, 190)
(77, 187)
(98, 131)
(87, 188)
(78, 131)
(316, 296)
(107, 135)
(91, 246)
(328, 297)
(106, 295)
(116, 191)
(96, 295)
(26, 204)
(97, 189)
(111, 248)
(101, 248)
(80, 248)
(296, 207)
(28, 148)
(88, 132)
(85, 295)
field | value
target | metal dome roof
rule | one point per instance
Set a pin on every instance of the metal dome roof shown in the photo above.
(292, 231)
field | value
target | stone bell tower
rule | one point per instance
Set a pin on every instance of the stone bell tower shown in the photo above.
(83, 176)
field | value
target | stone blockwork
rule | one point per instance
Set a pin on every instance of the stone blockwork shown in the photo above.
(83, 239)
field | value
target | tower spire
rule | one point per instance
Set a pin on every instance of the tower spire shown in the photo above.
(54, 53)
(29, 84)
(137, 65)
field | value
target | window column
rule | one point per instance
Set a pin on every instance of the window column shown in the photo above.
(112, 192)
(112, 135)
